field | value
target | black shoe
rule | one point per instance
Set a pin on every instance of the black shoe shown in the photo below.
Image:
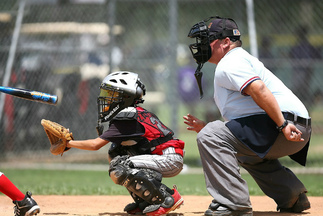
(301, 204)
(27, 206)
(217, 209)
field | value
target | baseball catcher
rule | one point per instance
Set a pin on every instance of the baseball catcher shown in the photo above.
(142, 149)
(58, 136)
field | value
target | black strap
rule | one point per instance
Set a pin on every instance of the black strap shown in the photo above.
(280, 128)
(298, 119)
(198, 76)
(161, 140)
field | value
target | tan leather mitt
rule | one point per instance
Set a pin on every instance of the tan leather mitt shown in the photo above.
(58, 136)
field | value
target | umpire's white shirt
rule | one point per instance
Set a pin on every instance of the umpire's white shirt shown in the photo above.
(234, 72)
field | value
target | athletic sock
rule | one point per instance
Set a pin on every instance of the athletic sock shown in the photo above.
(9, 189)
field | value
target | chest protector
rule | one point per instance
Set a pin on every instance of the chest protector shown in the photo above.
(155, 131)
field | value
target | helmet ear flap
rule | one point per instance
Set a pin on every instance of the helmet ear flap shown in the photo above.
(139, 92)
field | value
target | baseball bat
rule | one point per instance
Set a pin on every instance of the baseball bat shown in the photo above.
(30, 95)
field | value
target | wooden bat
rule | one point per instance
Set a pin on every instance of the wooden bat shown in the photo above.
(30, 95)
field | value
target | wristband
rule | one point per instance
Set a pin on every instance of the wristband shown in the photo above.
(280, 128)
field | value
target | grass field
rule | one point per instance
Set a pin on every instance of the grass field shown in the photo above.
(66, 182)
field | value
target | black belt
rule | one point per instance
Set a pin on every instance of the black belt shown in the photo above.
(298, 119)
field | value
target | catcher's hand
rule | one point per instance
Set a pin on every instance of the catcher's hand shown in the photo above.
(58, 136)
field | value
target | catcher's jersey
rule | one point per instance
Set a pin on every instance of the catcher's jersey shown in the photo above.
(236, 70)
(143, 124)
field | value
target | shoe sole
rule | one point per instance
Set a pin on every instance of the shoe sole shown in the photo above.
(33, 211)
(231, 213)
(176, 205)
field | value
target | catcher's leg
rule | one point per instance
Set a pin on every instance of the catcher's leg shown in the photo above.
(136, 207)
(144, 183)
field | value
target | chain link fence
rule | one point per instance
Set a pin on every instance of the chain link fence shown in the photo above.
(66, 47)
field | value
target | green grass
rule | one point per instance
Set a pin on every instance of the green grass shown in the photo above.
(64, 182)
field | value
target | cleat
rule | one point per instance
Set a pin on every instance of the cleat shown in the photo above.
(178, 201)
(26, 207)
(217, 209)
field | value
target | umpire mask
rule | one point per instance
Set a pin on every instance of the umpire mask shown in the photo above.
(200, 50)
(219, 28)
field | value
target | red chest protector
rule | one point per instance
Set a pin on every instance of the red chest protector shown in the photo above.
(159, 136)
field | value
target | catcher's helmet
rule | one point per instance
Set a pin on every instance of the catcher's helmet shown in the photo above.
(119, 90)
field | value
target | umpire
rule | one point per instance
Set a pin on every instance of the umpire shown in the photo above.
(263, 121)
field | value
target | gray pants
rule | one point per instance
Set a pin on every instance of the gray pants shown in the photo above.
(221, 154)
(169, 164)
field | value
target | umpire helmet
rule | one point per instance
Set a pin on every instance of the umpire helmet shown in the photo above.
(119, 90)
(218, 28)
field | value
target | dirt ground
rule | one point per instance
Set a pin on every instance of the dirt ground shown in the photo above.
(113, 205)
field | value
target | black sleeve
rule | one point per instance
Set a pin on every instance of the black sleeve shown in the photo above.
(123, 130)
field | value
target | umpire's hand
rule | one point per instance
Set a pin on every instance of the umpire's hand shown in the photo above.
(292, 133)
(194, 124)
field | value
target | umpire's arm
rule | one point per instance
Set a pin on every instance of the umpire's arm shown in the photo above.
(266, 100)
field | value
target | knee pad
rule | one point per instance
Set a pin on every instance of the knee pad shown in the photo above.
(120, 169)
(119, 174)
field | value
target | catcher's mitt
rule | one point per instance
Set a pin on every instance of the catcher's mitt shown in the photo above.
(58, 136)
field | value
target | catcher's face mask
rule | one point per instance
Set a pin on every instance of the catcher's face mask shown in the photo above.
(110, 102)
(118, 91)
